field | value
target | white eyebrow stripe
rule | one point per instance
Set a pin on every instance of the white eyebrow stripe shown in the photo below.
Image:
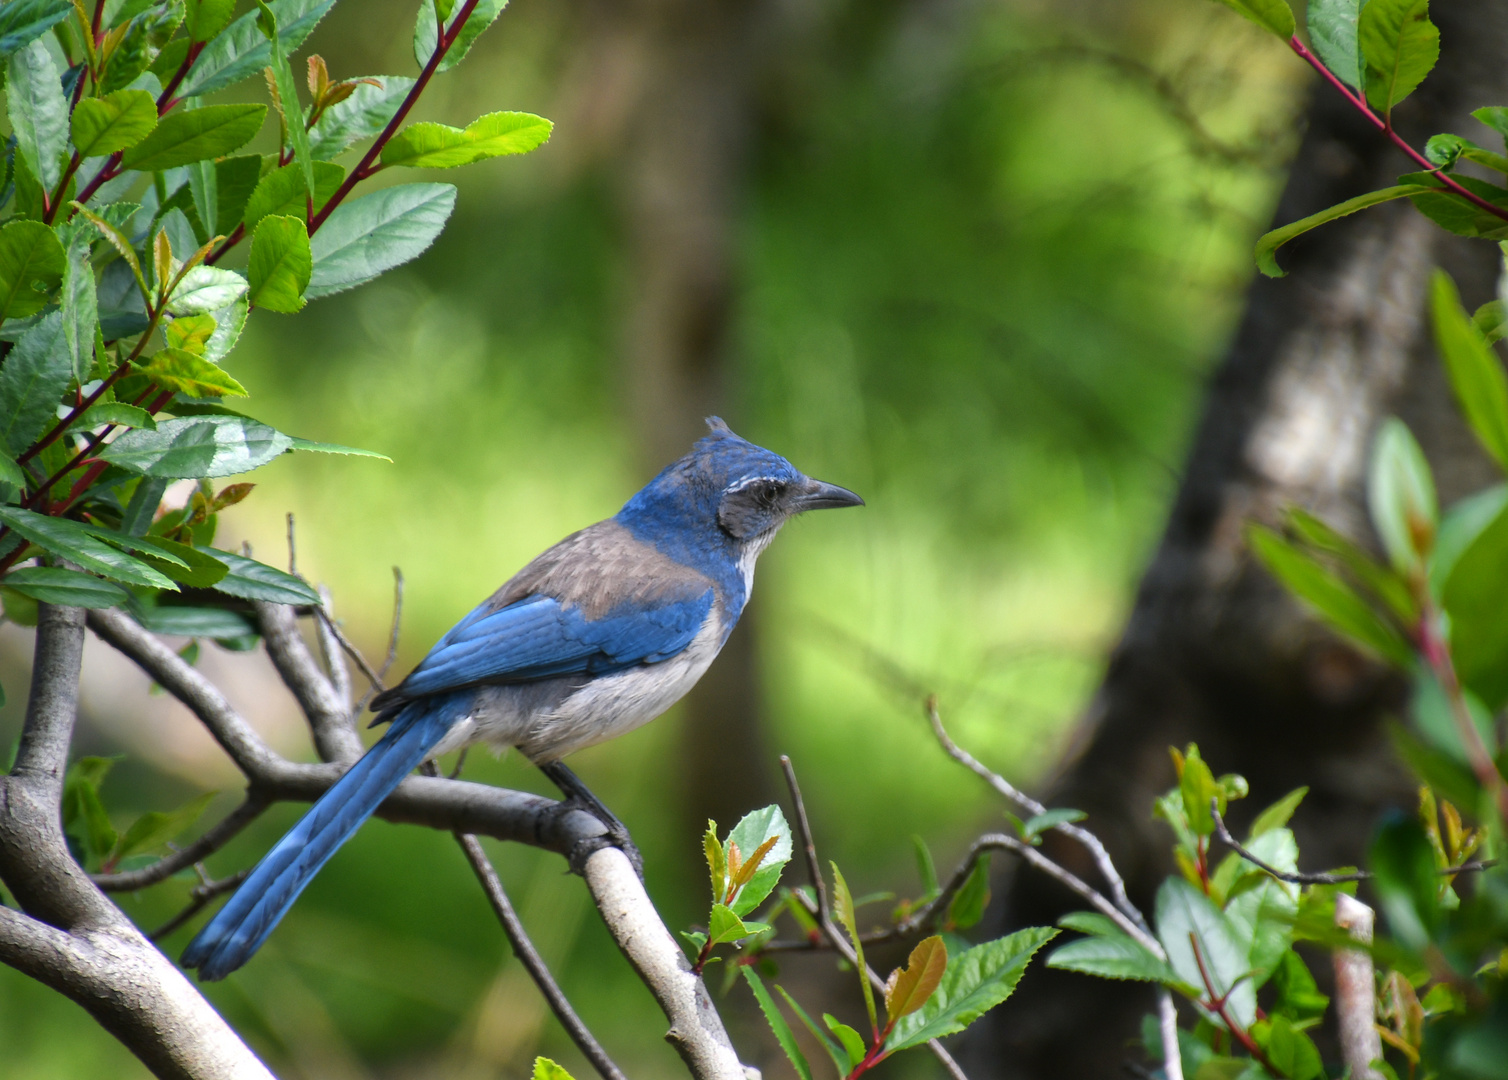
(750, 480)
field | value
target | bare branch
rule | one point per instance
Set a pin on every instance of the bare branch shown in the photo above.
(329, 649)
(212, 841)
(328, 713)
(1090, 842)
(199, 898)
(42, 756)
(804, 828)
(1167, 1023)
(1322, 879)
(378, 684)
(533, 963)
(1356, 990)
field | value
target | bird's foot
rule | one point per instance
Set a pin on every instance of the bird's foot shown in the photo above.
(580, 797)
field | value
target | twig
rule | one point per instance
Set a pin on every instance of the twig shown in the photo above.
(1296, 878)
(379, 684)
(374, 677)
(1167, 1023)
(328, 714)
(330, 651)
(1090, 842)
(200, 897)
(820, 910)
(212, 841)
(529, 956)
(1356, 990)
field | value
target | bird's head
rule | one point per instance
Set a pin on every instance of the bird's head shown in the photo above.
(726, 483)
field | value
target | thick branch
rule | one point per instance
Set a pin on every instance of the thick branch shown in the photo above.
(329, 714)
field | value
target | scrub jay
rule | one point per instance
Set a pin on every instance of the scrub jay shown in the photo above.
(597, 636)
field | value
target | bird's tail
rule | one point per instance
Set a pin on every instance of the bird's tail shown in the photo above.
(240, 927)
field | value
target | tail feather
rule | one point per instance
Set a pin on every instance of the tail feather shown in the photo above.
(240, 927)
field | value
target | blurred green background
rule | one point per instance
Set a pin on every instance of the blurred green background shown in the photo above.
(984, 255)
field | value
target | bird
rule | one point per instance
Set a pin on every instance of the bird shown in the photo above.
(595, 637)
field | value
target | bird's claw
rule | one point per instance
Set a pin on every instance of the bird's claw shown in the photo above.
(616, 836)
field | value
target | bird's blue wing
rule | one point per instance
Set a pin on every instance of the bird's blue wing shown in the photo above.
(539, 637)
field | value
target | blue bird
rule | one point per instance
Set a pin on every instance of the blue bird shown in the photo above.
(597, 636)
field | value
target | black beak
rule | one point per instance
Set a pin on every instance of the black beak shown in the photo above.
(817, 495)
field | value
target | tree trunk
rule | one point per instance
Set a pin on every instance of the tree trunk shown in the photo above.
(1215, 652)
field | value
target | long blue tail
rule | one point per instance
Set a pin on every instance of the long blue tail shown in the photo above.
(240, 927)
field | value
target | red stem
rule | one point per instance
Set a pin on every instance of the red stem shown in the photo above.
(1436, 652)
(165, 100)
(1217, 1005)
(1386, 127)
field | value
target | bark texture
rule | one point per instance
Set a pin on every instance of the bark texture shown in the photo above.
(1214, 652)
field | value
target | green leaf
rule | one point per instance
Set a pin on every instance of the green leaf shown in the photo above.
(242, 50)
(118, 241)
(1262, 911)
(839, 1056)
(10, 472)
(31, 267)
(198, 569)
(23, 21)
(1182, 910)
(367, 236)
(282, 192)
(1196, 783)
(38, 112)
(424, 32)
(182, 138)
(1335, 601)
(926, 869)
(203, 19)
(1401, 497)
(69, 588)
(1459, 528)
(154, 829)
(114, 122)
(843, 908)
(908, 988)
(1400, 44)
(360, 116)
(186, 373)
(280, 264)
(32, 379)
(251, 580)
(782, 1030)
(1454, 213)
(190, 333)
(975, 982)
(236, 178)
(1332, 26)
(80, 310)
(1474, 595)
(1405, 882)
(852, 1041)
(1476, 374)
(1268, 243)
(142, 506)
(1383, 582)
(1495, 117)
(1298, 994)
(75, 543)
(205, 289)
(753, 830)
(972, 898)
(1291, 1051)
(196, 622)
(1272, 15)
(335, 448)
(723, 926)
(1491, 320)
(1051, 819)
(1276, 816)
(84, 817)
(113, 412)
(1090, 922)
(428, 145)
(198, 446)
(545, 1069)
(1113, 956)
(229, 322)
(282, 77)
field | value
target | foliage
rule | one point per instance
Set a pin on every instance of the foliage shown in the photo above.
(124, 193)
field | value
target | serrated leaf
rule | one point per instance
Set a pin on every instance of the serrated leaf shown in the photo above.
(203, 19)
(32, 379)
(1476, 374)
(31, 267)
(1271, 15)
(838, 1055)
(1335, 601)
(242, 50)
(843, 910)
(206, 289)
(335, 448)
(428, 145)
(282, 192)
(749, 834)
(975, 982)
(724, 926)
(75, 543)
(425, 32)
(368, 236)
(186, 373)
(10, 472)
(114, 122)
(360, 116)
(23, 21)
(1382, 581)
(199, 569)
(182, 138)
(1332, 26)
(118, 241)
(251, 580)
(287, 95)
(196, 622)
(155, 828)
(778, 1026)
(1268, 244)
(1291, 1051)
(80, 309)
(1183, 910)
(545, 1069)
(1113, 956)
(190, 333)
(198, 446)
(280, 264)
(38, 111)
(1400, 44)
(908, 988)
(69, 588)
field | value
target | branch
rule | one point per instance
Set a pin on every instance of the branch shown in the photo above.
(203, 893)
(1167, 1023)
(529, 956)
(212, 841)
(330, 652)
(1356, 991)
(1090, 842)
(328, 714)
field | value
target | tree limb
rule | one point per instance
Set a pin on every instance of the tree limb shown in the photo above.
(329, 715)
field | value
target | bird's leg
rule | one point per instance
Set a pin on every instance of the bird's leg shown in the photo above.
(578, 795)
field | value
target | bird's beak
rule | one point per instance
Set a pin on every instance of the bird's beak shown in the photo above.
(822, 496)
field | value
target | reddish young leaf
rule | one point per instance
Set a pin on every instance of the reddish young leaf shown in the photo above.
(909, 988)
